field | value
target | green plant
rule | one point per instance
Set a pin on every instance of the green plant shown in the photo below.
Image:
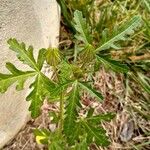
(105, 18)
(70, 79)
(134, 51)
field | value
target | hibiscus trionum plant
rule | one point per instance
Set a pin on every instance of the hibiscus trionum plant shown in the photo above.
(71, 78)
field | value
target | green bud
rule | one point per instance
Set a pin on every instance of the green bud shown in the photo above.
(88, 53)
(53, 57)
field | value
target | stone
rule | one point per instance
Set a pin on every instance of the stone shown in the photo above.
(35, 22)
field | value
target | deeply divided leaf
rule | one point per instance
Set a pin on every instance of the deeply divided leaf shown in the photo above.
(120, 33)
(95, 134)
(48, 85)
(101, 117)
(82, 28)
(71, 111)
(41, 58)
(16, 75)
(113, 64)
(91, 91)
(23, 54)
(41, 88)
(82, 145)
(36, 96)
(60, 88)
(65, 71)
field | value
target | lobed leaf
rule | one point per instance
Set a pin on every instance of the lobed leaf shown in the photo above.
(101, 117)
(108, 41)
(48, 85)
(95, 134)
(113, 64)
(77, 132)
(91, 90)
(65, 71)
(82, 145)
(16, 75)
(26, 56)
(41, 58)
(41, 88)
(36, 96)
(82, 28)
(38, 89)
(59, 88)
(71, 111)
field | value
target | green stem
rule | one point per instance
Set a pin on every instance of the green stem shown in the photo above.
(61, 107)
(61, 113)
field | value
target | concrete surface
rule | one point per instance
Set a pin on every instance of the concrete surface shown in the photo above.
(36, 22)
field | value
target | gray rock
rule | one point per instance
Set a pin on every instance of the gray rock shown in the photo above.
(35, 22)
